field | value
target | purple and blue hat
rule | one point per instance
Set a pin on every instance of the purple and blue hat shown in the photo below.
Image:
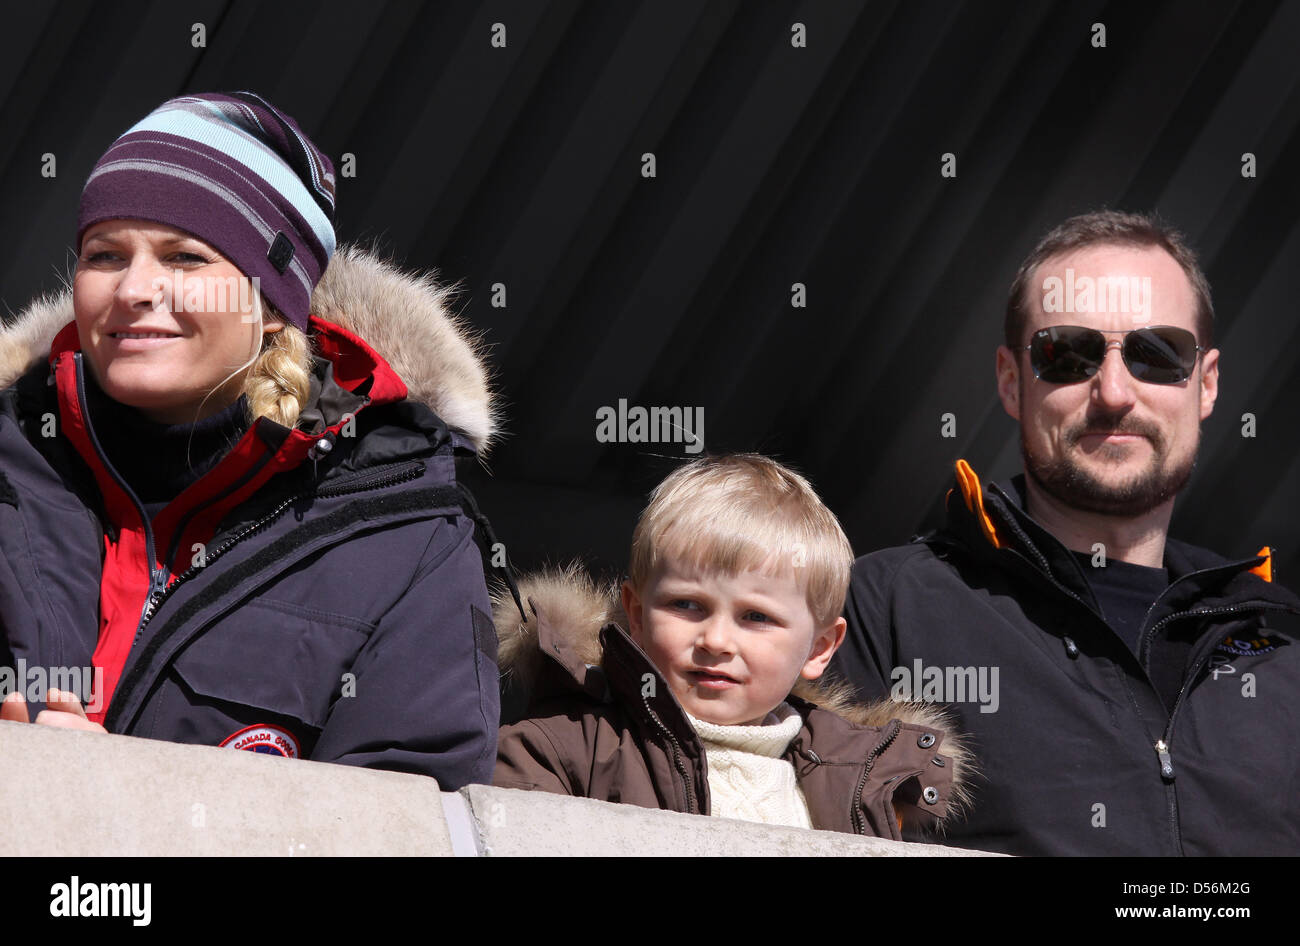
(234, 171)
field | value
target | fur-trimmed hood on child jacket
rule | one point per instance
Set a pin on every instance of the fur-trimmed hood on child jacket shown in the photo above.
(317, 594)
(596, 719)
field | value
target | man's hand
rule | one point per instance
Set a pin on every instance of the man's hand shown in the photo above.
(64, 711)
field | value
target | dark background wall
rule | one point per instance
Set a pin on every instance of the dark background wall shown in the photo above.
(522, 165)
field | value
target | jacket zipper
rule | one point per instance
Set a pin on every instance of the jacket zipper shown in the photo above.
(374, 479)
(368, 482)
(179, 533)
(157, 597)
(1165, 754)
(1164, 746)
(691, 807)
(157, 576)
(1045, 567)
(855, 811)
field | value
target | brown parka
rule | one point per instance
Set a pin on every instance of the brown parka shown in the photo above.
(596, 719)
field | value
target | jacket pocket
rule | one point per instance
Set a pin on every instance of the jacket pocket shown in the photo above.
(276, 656)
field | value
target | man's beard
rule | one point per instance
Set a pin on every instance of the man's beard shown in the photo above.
(1078, 488)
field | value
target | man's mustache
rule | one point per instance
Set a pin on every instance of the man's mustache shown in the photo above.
(1115, 425)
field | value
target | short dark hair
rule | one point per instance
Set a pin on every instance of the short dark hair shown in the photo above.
(1110, 227)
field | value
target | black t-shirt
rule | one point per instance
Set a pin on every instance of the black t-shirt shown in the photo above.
(1125, 593)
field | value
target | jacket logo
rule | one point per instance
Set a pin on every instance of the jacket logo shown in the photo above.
(1246, 648)
(268, 740)
(281, 253)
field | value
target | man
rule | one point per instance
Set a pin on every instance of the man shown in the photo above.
(1125, 693)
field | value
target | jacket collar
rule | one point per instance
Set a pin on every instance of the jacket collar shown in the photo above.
(991, 521)
(573, 641)
(348, 377)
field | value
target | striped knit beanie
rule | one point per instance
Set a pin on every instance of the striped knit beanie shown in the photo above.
(234, 171)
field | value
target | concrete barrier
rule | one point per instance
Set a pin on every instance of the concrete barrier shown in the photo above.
(81, 794)
(87, 794)
(515, 823)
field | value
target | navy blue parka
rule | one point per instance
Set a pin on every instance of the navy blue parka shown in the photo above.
(319, 594)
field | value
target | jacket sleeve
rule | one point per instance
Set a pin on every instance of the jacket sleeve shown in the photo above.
(527, 759)
(867, 657)
(425, 696)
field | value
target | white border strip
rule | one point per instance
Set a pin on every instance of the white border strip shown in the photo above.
(461, 825)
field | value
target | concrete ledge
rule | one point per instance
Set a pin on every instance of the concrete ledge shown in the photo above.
(86, 794)
(516, 823)
(76, 794)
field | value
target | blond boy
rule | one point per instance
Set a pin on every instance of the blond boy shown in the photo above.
(697, 694)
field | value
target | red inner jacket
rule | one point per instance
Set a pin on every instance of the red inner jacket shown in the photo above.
(132, 570)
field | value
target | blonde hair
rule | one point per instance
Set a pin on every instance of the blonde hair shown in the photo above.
(278, 382)
(277, 375)
(742, 512)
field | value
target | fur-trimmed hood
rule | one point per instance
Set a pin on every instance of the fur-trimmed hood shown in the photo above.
(405, 318)
(568, 609)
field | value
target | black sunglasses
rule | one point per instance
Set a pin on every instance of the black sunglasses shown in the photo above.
(1068, 354)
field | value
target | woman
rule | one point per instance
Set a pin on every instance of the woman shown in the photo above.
(217, 494)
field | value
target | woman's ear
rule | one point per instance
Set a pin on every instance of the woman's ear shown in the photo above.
(270, 328)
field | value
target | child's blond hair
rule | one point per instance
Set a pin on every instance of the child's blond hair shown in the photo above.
(743, 512)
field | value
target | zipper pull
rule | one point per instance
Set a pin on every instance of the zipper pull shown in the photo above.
(157, 585)
(1071, 649)
(1166, 761)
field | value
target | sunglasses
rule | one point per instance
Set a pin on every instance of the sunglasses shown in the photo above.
(1068, 354)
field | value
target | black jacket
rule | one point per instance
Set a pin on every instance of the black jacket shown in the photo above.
(1079, 753)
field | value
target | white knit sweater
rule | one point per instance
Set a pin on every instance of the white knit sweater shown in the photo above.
(748, 779)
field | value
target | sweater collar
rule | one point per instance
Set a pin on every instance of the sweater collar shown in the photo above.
(159, 460)
(770, 738)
